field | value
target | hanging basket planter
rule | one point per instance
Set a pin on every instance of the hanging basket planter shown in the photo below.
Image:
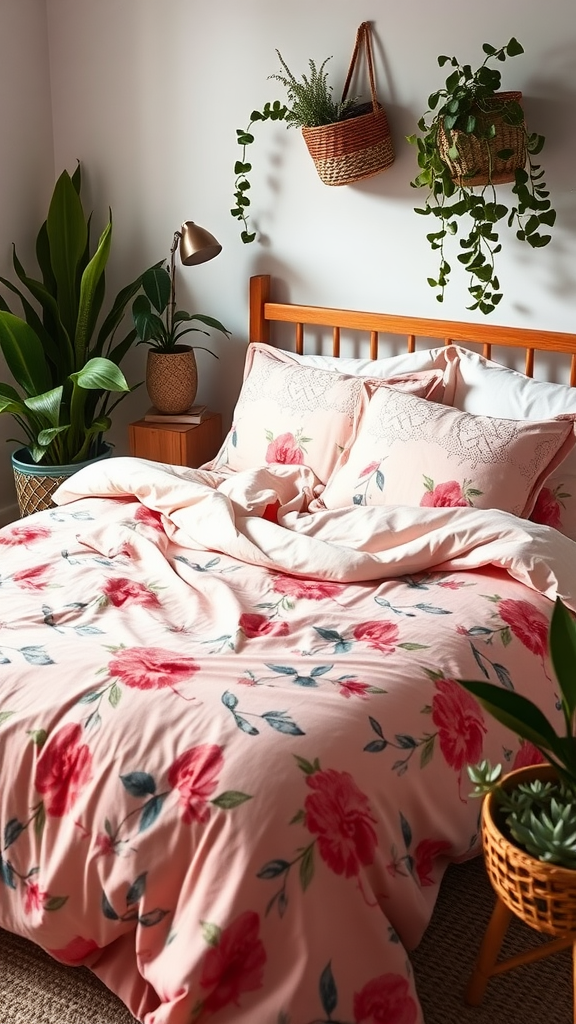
(478, 161)
(360, 145)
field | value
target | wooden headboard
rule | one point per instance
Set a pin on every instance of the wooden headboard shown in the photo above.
(264, 311)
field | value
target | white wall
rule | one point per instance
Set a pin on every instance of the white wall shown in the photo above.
(149, 94)
(26, 165)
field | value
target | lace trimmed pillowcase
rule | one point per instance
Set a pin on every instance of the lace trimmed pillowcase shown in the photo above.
(291, 413)
(411, 452)
(482, 385)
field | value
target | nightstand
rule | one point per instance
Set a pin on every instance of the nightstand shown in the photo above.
(179, 444)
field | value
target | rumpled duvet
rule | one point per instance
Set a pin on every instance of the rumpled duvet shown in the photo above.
(233, 748)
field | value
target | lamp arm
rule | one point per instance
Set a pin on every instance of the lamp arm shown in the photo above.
(172, 304)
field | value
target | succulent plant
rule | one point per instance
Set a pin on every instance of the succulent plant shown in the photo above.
(541, 816)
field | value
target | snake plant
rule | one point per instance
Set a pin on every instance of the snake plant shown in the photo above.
(65, 366)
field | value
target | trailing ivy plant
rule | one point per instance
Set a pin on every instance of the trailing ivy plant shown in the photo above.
(467, 104)
(311, 104)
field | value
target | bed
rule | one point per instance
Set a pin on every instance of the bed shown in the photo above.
(233, 746)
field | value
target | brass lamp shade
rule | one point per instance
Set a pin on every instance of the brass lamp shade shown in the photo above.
(196, 244)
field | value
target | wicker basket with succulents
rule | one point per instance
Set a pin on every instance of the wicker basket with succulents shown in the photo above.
(529, 815)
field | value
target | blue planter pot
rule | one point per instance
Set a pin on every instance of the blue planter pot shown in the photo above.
(35, 484)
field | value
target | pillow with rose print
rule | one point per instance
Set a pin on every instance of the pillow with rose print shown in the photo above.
(411, 452)
(290, 413)
(481, 385)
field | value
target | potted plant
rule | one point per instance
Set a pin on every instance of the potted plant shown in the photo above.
(473, 138)
(529, 815)
(348, 140)
(66, 369)
(171, 371)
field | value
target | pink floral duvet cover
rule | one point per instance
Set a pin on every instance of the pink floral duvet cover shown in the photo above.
(232, 750)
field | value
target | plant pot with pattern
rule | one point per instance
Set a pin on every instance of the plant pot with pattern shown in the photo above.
(171, 371)
(473, 138)
(67, 370)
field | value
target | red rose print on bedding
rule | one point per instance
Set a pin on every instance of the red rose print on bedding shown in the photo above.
(23, 535)
(527, 754)
(253, 625)
(312, 590)
(151, 668)
(34, 897)
(527, 624)
(385, 1000)
(339, 814)
(449, 494)
(424, 856)
(547, 508)
(460, 723)
(76, 951)
(122, 591)
(382, 636)
(149, 517)
(63, 770)
(195, 775)
(33, 578)
(286, 449)
(234, 964)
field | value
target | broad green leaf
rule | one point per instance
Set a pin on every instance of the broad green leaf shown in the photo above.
(24, 354)
(101, 373)
(67, 236)
(156, 285)
(47, 405)
(91, 296)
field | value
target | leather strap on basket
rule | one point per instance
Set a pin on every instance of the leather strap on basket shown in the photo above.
(363, 36)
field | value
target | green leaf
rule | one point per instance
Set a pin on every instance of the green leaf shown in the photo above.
(67, 236)
(563, 656)
(100, 373)
(231, 798)
(514, 49)
(24, 355)
(515, 712)
(156, 285)
(91, 296)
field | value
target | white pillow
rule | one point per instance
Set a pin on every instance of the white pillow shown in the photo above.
(388, 366)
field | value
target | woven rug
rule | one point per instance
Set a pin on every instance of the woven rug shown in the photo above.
(34, 989)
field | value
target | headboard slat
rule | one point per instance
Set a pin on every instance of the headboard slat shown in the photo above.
(263, 312)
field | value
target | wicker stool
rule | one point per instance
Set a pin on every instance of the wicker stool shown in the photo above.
(542, 895)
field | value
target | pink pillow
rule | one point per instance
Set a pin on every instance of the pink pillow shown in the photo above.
(291, 413)
(411, 452)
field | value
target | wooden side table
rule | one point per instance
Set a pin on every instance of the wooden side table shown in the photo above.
(179, 444)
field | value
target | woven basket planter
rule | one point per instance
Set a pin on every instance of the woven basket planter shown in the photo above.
(543, 895)
(172, 379)
(353, 149)
(359, 146)
(36, 484)
(478, 162)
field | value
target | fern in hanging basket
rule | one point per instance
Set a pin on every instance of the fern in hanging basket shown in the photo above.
(474, 138)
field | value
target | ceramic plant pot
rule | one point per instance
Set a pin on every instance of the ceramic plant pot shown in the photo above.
(172, 379)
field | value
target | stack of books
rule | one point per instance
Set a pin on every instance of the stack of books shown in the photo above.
(195, 414)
